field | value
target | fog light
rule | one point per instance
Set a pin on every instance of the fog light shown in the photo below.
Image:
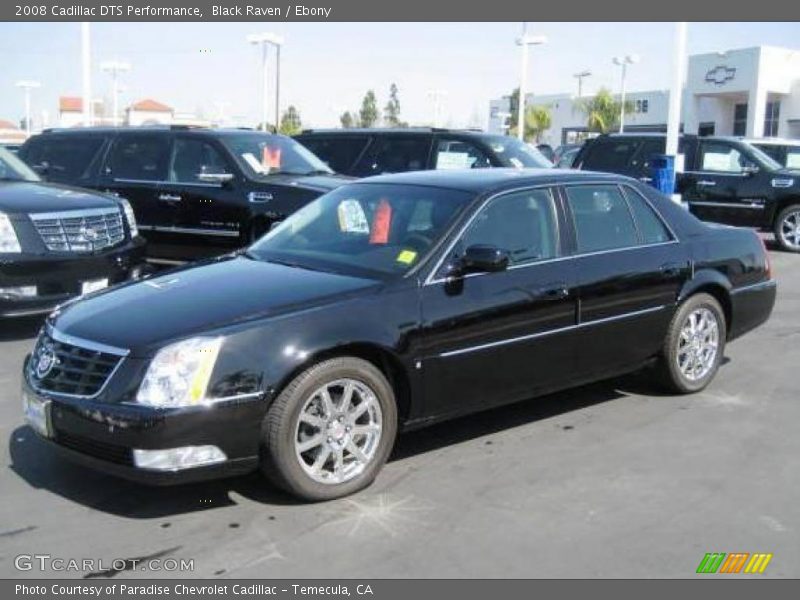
(25, 291)
(175, 459)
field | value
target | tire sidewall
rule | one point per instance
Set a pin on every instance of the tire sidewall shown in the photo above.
(693, 303)
(283, 449)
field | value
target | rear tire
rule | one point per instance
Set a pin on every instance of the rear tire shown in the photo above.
(330, 430)
(787, 228)
(694, 345)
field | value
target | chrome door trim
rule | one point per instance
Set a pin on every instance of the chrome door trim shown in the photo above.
(189, 230)
(550, 332)
(769, 283)
(751, 206)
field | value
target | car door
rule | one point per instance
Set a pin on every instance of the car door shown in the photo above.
(498, 337)
(204, 193)
(629, 269)
(395, 154)
(136, 168)
(726, 185)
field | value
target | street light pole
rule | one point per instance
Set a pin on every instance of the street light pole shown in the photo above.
(277, 85)
(114, 68)
(264, 40)
(580, 77)
(524, 41)
(86, 74)
(623, 62)
(27, 86)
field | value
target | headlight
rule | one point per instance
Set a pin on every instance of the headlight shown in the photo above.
(9, 242)
(130, 217)
(178, 374)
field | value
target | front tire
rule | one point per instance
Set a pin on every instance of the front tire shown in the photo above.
(330, 430)
(694, 345)
(787, 228)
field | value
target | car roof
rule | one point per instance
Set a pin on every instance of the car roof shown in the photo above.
(488, 180)
(154, 129)
(771, 141)
(391, 130)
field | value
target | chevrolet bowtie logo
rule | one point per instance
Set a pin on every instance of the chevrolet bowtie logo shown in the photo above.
(720, 75)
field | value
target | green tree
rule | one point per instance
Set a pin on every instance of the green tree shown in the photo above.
(348, 120)
(290, 121)
(513, 109)
(369, 114)
(538, 119)
(603, 110)
(391, 112)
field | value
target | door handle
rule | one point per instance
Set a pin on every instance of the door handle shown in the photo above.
(169, 198)
(706, 183)
(554, 291)
(646, 179)
(670, 270)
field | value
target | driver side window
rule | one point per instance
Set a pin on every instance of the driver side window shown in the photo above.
(722, 158)
(521, 223)
(193, 158)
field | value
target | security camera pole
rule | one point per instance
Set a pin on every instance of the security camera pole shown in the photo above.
(27, 86)
(630, 59)
(114, 68)
(524, 41)
(265, 40)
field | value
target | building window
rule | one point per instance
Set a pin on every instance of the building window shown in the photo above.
(771, 119)
(740, 119)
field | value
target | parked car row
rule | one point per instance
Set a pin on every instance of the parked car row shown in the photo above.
(724, 179)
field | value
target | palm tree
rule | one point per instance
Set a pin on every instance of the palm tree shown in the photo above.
(537, 120)
(602, 111)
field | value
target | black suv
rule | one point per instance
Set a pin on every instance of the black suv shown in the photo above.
(785, 152)
(365, 152)
(196, 191)
(724, 179)
(57, 242)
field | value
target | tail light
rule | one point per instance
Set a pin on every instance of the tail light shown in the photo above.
(767, 261)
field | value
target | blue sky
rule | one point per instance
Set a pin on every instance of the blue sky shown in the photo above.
(327, 67)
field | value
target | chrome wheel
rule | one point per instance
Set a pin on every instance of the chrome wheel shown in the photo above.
(698, 344)
(338, 431)
(789, 230)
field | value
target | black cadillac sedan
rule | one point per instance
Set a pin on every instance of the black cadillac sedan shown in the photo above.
(58, 242)
(387, 304)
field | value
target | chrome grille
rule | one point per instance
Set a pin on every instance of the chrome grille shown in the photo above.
(64, 367)
(80, 230)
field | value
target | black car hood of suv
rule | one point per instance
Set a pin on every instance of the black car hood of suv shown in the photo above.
(24, 197)
(319, 183)
(145, 315)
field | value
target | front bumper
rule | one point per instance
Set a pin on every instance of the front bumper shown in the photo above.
(102, 436)
(58, 277)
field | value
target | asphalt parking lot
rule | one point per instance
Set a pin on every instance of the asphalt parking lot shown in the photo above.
(610, 480)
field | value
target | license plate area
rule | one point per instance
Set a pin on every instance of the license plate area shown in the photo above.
(93, 285)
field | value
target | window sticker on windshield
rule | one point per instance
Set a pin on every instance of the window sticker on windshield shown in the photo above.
(252, 161)
(516, 162)
(381, 224)
(271, 158)
(719, 161)
(352, 218)
(406, 257)
(793, 160)
(454, 160)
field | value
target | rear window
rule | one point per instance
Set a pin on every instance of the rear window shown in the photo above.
(62, 158)
(339, 153)
(651, 228)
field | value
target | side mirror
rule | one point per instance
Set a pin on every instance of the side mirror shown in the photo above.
(483, 258)
(42, 168)
(219, 178)
(750, 170)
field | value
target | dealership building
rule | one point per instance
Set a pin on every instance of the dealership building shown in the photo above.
(752, 92)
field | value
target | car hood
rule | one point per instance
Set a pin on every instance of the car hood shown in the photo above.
(147, 314)
(25, 197)
(318, 183)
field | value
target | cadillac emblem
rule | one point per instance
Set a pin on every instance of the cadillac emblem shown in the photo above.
(44, 361)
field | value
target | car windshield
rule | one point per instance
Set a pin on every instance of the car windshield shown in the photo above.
(370, 230)
(513, 153)
(13, 169)
(263, 154)
(765, 159)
